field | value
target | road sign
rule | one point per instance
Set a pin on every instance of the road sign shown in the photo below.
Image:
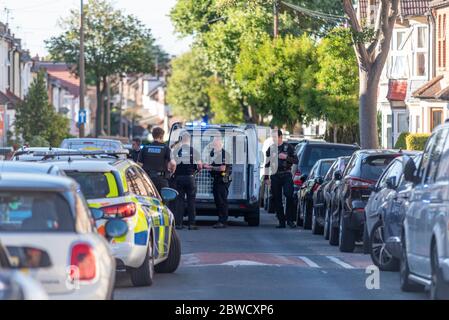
(82, 117)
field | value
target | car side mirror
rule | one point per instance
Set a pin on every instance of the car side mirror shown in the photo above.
(391, 183)
(319, 180)
(303, 178)
(410, 171)
(338, 175)
(116, 228)
(97, 214)
(169, 194)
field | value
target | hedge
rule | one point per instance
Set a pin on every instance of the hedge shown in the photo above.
(417, 142)
(402, 141)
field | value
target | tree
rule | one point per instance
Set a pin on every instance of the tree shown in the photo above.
(225, 108)
(279, 78)
(337, 83)
(35, 117)
(372, 47)
(187, 86)
(114, 43)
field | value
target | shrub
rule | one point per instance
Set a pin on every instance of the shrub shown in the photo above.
(402, 141)
(417, 142)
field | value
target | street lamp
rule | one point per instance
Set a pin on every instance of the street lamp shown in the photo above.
(82, 132)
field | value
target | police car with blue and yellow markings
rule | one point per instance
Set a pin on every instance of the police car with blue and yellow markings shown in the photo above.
(119, 188)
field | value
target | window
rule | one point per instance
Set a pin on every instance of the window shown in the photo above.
(436, 118)
(395, 170)
(418, 124)
(420, 52)
(443, 168)
(442, 45)
(421, 37)
(149, 186)
(435, 155)
(94, 185)
(403, 122)
(135, 182)
(373, 166)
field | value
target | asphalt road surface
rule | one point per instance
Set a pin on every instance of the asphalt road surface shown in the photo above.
(264, 263)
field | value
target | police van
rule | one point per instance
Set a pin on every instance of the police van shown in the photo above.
(241, 142)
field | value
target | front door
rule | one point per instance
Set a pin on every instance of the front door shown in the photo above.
(401, 124)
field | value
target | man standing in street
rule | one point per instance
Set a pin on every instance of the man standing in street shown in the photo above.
(156, 160)
(136, 148)
(188, 163)
(280, 158)
(221, 170)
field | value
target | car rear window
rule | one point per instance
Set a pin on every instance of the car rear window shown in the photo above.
(313, 154)
(373, 167)
(325, 167)
(34, 212)
(95, 185)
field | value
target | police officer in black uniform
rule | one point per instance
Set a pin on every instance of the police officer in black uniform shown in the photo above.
(280, 158)
(221, 170)
(188, 163)
(155, 159)
(136, 148)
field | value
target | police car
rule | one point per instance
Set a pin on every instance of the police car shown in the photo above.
(119, 188)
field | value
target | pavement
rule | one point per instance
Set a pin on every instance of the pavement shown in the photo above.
(265, 263)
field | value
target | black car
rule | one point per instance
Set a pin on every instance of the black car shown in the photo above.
(347, 221)
(322, 196)
(385, 214)
(310, 184)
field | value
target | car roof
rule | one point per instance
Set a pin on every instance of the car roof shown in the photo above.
(35, 182)
(328, 160)
(91, 140)
(379, 152)
(330, 144)
(25, 167)
(92, 165)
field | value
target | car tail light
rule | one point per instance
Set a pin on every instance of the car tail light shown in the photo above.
(125, 210)
(356, 183)
(297, 179)
(83, 262)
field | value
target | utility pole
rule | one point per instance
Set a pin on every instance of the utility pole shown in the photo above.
(82, 129)
(276, 18)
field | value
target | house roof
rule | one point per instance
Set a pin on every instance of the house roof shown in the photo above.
(407, 8)
(437, 88)
(67, 79)
(9, 98)
(439, 3)
(397, 90)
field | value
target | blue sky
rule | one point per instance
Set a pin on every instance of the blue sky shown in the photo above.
(36, 20)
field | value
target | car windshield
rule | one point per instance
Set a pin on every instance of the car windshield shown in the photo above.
(34, 212)
(94, 185)
(374, 166)
(316, 153)
(325, 167)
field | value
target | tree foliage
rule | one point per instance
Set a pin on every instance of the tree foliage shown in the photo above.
(225, 107)
(114, 43)
(50, 127)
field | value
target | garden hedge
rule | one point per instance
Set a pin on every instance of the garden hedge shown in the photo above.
(417, 142)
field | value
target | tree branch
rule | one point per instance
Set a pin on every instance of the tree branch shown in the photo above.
(362, 53)
(377, 34)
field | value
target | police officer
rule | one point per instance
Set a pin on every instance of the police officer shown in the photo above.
(221, 170)
(155, 159)
(136, 148)
(188, 163)
(280, 158)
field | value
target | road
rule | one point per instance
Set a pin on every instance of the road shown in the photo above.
(242, 263)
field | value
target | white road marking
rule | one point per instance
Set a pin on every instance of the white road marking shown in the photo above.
(309, 262)
(340, 263)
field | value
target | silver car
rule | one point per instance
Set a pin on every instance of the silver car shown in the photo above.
(425, 258)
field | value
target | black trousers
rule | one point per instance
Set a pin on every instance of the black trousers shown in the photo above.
(221, 193)
(160, 182)
(186, 187)
(282, 184)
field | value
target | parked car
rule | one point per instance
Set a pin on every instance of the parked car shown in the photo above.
(48, 231)
(90, 144)
(347, 221)
(33, 154)
(26, 167)
(383, 213)
(310, 184)
(425, 259)
(14, 285)
(120, 188)
(322, 196)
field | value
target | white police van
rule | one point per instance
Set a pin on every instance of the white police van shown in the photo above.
(241, 142)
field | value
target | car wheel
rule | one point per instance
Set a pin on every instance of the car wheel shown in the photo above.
(307, 216)
(326, 225)
(347, 237)
(300, 221)
(316, 228)
(333, 232)
(253, 218)
(143, 276)
(439, 289)
(174, 255)
(366, 241)
(404, 273)
(379, 254)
